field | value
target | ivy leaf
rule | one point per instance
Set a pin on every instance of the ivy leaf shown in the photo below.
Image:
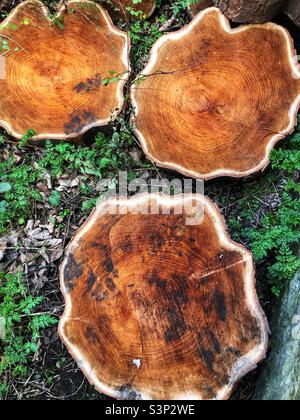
(54, 198)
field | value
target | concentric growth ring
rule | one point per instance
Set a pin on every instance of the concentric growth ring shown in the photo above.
(157, 307)
(61, 77)
(213, 101)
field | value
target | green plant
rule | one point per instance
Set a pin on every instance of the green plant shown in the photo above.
(181, 5)
(20, 190)
(21, 174)
(26, 137)
(269, 216)
(21, 327)
(143, 35)
(132, 10)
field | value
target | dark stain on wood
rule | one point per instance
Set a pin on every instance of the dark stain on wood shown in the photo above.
(207, 356)
(98, 294)
(72, 271)
(213, 339)
(78, 122)
(240, 148)
(110, 284)
(181, 295)
(91, 280)
(155, 280)
(177, 325)
(234, 351)
(110, 267)
(90, 85)
(149, 308)
(127, 246)
(220, 302)
(91, 335)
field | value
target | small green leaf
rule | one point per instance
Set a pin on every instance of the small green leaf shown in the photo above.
(54, 198)
(5, 187)
(105, 162)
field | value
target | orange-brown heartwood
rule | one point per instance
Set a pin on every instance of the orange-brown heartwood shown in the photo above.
(213, 101)
(161, 306)
(61, 77)
(123, 9)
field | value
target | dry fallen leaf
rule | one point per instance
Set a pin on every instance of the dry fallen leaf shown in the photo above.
(65, 184)
(3, 245)
(39, 234)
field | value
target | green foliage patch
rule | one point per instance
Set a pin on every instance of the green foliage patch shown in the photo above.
(274, 199)
(263, 214)
(19, 176)
(20, 327)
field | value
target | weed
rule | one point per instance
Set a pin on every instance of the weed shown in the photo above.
(21, 328)
(20, 175)
(181, 5)
(143, 35)
(269, 216)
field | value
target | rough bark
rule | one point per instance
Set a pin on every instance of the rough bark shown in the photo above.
(200, 5)
(246, 11)
(293, 11)
(280, 378)
(206, 103)
(161, 305)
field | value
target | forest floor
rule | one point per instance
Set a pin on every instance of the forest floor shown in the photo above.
(46, 193)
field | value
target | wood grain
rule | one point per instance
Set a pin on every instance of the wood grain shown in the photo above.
(53, 82)
(119, 9)
(213, 101)
(157, 309)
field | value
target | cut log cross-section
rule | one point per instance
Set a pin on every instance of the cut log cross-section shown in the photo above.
(128, 9)
(57, 72)
(213, 101)
(159, 309)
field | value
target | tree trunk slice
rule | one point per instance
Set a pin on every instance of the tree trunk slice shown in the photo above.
(54, 82)
(158, 309)
(293, 11)
(246, 11)
(213, 101)
(119, 9)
